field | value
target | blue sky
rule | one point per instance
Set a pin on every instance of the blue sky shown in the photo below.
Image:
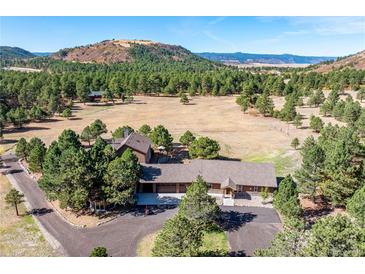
(329, 36)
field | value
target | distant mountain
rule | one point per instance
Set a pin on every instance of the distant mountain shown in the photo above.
(246, 58)
(356, 61)
(14, 52)
(43, 54)
(116, 51)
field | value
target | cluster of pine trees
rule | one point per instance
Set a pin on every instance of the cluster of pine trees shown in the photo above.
(36, 96)
(334, 167)
(79, 177)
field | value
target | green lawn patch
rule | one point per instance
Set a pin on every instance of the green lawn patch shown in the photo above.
(284, 164)
(214, 243)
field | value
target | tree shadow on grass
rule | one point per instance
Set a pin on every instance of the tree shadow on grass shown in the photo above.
(100, 104)
(23, 129)
(220, 157)
(50, 120)
(8, 141)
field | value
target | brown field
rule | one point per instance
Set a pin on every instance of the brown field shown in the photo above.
(242, 136)
(307, 111)
(260, 65)
(20, 236)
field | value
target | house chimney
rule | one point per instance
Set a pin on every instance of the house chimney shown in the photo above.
(126, 132)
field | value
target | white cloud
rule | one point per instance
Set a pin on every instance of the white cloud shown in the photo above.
(330, 25)
(229, 45)
(216, 20)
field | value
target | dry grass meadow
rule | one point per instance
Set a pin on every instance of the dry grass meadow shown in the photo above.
(249, 137)
(20, 236)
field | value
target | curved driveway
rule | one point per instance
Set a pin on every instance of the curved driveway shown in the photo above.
(248, 228)
(120, 236)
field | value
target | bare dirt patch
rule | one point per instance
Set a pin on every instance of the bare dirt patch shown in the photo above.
(81, 219)
(317, 208)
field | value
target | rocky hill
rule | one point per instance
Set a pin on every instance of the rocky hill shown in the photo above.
(356, 61)
(116, 51)
(14, 52)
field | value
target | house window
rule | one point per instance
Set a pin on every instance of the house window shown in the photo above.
(209, 186)
(255, 188)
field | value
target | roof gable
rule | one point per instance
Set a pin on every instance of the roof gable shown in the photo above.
(134, 141)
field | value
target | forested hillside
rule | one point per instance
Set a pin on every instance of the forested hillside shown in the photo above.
(14, 52)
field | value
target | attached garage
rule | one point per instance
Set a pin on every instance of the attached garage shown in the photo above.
(166, 188)
(183, 187)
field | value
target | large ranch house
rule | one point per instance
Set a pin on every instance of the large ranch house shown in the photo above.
(227, 180)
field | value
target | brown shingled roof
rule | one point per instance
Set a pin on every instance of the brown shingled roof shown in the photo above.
(135, 141)
(213, 171)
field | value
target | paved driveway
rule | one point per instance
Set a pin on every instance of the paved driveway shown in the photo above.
(249, 228)
(120, 236)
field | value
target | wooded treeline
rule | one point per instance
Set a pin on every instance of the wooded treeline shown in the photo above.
(36, 96)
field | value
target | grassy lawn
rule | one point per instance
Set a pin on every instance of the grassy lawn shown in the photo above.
(284, 163)
(20, 236)
(212, 241)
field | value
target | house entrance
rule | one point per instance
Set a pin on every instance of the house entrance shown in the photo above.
(227, 192)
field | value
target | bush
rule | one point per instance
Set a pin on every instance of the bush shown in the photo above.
(99, 252)
(67, 113)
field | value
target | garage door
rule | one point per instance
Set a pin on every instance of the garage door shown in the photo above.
(183, 188)
(166, 188)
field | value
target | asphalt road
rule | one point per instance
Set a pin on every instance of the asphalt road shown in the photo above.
(248, 228)
(119, 236)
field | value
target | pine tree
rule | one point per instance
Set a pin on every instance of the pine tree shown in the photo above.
(14, 198)
(179, 237)
(308, 176)
(198, 206)
(295, 143)
(298, 121)
(315, 123)
(21, 149)
(184, 99)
